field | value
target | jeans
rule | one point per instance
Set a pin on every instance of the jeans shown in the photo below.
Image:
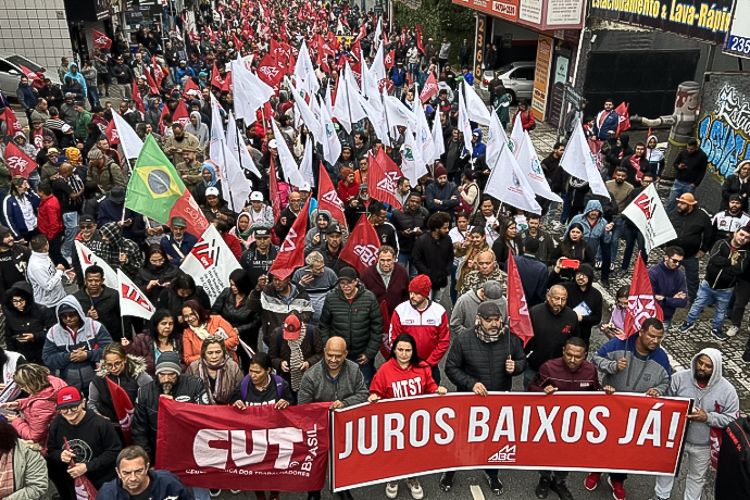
(698, 460)
(559, 475)
(741, 296)
(606, 249)
(436, 374)
(565, 208)
(706, 297)
(93, 95)
(554, 208)
(201, 494)
(34, 180)
(528, 376)
(405, 260)
(55, 255)
(617, 232)
(690, 265)
(454, 292)
(367, 369)
(70, 221)
(633, 235)
(678, 189)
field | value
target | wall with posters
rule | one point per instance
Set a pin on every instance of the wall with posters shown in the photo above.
(542, 76)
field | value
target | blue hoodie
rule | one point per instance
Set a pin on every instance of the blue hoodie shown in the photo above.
(208, 166)
(479, 147)
(77, 77)
(596, 234)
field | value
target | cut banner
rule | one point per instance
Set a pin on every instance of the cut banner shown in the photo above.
(647, 212)
(87, 257)
(259, 448)
(581, 431)
(210, 262)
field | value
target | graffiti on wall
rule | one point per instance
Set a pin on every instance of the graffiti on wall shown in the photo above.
(724, 132)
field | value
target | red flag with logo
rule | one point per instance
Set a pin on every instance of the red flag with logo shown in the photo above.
(153, 88)
(101, 40)
(519, 320)
(292, 252)
(420, 45)
(113, 137)
(137, 98)
(389, 59)
(216, 79)
(158, 72)
(361, 249)
(641, 302)
(328, 199)
(383, 178)
(180, 114)
(84, 489)
(430, 88)
(123, 408)
(191, 90)
(13, 124)
(18, 162)
(269, 72)
(624, 115)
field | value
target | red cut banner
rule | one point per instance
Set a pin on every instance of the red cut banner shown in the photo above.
(259, 448)
(578, 431)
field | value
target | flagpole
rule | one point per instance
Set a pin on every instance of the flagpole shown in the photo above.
(226, 178)
(385, 112)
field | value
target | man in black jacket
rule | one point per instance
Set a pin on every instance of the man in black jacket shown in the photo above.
(258, 258)
(690, 167)
(433, 253)
(137, 479)
(694, 232)
(585, 300)
(733, 471)
(474, 362)
(410, 224)
(100, 302)
(553, 323)
(169, 383)
(92, 441)
(288, 215)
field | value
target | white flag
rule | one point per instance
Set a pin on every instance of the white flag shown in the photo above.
(87, 258)
(397, 114)
(508, 184)
(377, 119)
(331, 142)
(305, 71)
(307, 115)
(377, 69)
(516, 135)
(286, 159)
(236, 187)
(496, 141)
(578, 160)
(424, 134)
(133, 302)
(239, 148)
(532, 168)
(250, 92)
(647, 212)
(437, 137)
(306, 166)
(346, 110)
(463, 124)
(475, 107)
(412, 165)
(210, 262)
(129, 140)
(217, 131)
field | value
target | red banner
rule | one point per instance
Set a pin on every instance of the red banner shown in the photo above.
(383, 178)
(361, 249)
(582, 431)
(259, 448)
(101, 40)
(291, 252)
(123, 408)
(18, 162)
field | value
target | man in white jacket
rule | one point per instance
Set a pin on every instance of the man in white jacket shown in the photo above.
(45, 279)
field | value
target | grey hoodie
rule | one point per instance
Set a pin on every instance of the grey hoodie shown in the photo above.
(464, 315)
(200, 130)
(718, 399)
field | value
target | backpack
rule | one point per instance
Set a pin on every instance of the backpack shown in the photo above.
(246, 383)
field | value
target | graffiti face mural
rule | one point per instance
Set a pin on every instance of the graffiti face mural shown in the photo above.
(724, 132)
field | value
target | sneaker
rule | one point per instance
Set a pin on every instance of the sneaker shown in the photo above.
(618, 489)
(686, 326)
(542, 489)
(605, 282)
(620, 273)
(391, 490)
(417, 492)
(598, 264)
(612, 266)
(746, 356)
(656, 497)
(214, 493)
(495, 485)
(716, 332)
(561, 490)
(592, 480)
(235, 492)
(446, 482)
(733, 330)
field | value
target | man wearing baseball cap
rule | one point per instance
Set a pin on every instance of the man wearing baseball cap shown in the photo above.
(694, 233)
(91, 449)
(259, 257)
(464, 313)
(178, 243)
(470, 365)
(189, 170)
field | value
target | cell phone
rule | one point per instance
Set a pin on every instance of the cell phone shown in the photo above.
(5, 411)
(18, 335)
(570, 264)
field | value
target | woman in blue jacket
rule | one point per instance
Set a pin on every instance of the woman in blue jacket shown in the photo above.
(20, 209)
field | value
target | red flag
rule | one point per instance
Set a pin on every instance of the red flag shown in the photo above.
(430, 88)
(361, 249)
(327, 197)
(641, 302)
(29, 74)
(137, 98)
(18, 162)
(180, 114)
(383, 178)
(13, 124)
(84, 489)
(277, 50)
(153, 88)
(237, 43)
(123, 408)
(420, 46)
(519, 320)
(216, 79)
(158, 72)
(113, 137)
(624, 123)
(292, 252)
(101, 40)
(273, 191)
(269, 72)
(191, 90)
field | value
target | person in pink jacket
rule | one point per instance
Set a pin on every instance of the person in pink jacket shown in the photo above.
(38, 410)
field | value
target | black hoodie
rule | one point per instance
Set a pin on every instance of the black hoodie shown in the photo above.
(591, 296)
(35, 318)
(733, 472)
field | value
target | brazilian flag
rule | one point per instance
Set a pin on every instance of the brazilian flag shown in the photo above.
(154, 187)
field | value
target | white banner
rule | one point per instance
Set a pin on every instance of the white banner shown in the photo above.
(133, 302)
(88, 258)
(210, 262)
(648, 214)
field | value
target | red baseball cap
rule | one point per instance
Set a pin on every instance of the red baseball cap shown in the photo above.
(292, 327)
(68, 397)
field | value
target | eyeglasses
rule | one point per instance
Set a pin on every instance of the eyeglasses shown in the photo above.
(675, 261)
(18, 301)
(87, 226)
(156, 261)
(69, 409)
(115, 365)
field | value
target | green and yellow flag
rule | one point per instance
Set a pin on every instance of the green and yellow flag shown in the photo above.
(156, 190)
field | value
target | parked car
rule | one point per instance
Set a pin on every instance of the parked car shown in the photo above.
(517, 77)
(10, 72)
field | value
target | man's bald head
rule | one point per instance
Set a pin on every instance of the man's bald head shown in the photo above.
(336, 343)
(557, 297)
(335, 354)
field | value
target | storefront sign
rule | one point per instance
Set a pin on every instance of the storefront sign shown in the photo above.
(724, 128)
(707, 20)
(551, 14)
(504, 9)
(738, 37)
(479, 45)
(541, 77)
(584, 431)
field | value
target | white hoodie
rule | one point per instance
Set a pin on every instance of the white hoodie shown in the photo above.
(45, 279)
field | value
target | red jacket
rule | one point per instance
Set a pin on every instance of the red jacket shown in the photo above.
(49, 219)
(392, 381)
(527, 119)
(345, 192)
(234, 244)
(429, 328)
(38, 412)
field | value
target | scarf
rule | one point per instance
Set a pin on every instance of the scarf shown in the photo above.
(200, 331)
(221, 392)
(488, 338)
(243, 235)
(7, 481)
(636, 164)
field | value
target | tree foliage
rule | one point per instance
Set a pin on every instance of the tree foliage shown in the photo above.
(440, 18)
